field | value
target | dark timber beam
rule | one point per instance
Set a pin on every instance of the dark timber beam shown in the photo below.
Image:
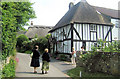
(111, 33)
(77, 33)
(96, 32)
(103, 32)
(108, 33)
(71, 36)
(82, 31)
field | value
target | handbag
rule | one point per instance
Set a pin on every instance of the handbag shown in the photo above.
(31, 54)
(74, 54)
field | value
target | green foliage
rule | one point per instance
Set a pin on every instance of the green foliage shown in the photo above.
(9, 69)
(20, 13)
(111, 47)
(28, 45)
(93, 48)
(14, 16)
(96, 51)
(20, 40)
(36, 36)
(48, 36)
(28, 52)
(86, 56)
(42, 42)
(63, 57)
(100, 44)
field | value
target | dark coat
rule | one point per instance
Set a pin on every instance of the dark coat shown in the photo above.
(46, 57)
(36, 54)
(35, 58)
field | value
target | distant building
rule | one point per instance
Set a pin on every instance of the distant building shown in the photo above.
(38, 30)
(21, 32)
(115, 19)
(82, 25)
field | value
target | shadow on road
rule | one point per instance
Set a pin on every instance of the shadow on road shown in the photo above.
(28, 72)
(65, 64)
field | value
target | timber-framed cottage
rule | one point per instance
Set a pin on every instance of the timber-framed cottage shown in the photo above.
(82, 25)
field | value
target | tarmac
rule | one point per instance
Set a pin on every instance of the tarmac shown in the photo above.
(57, 68)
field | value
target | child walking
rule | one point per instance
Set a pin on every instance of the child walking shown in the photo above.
(45, 62)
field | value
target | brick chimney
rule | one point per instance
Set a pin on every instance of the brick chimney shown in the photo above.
(71, 4)
(31, 23)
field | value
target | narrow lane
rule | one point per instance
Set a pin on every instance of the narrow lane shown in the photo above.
(24, 70)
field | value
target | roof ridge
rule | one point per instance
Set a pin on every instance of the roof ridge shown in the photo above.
(104, 8)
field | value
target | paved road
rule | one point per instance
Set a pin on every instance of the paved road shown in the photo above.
(57, 68)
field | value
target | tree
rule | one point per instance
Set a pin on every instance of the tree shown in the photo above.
(14, 16)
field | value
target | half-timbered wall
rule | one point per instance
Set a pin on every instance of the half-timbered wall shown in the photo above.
(63, 42)
(83, 34)
(67, 46)
(89, 34)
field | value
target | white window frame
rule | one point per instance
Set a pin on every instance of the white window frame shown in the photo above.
(93, 27)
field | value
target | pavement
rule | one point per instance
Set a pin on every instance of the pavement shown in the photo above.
(57, 68)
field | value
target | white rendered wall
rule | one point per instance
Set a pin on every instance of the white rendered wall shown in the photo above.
(115, 30)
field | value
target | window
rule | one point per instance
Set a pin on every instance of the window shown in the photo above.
(117, 24)
(92, 27)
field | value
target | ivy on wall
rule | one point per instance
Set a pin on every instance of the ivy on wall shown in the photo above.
(14, 16)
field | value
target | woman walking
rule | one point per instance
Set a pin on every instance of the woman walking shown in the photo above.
(35, 59)
(45, 62)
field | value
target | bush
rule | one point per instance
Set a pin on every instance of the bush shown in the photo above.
(28, 45)
(28, 52)
(9, 69)
(63, 57)
(42, 42)
(20, 39)
(24, 45)
(111, 47)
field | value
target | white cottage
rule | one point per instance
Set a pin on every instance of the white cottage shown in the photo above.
(82, 25)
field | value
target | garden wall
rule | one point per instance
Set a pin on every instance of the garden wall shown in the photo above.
(106, 62)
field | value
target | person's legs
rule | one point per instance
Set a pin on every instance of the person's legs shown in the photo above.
(35, 69)
(47, 67)
(72, 60)
(43, 67)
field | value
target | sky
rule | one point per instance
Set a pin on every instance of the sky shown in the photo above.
(49, 12)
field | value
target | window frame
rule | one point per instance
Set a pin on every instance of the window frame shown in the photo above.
(93, 28)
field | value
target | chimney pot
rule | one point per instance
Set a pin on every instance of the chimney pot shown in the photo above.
(31, 22)
(71, 4)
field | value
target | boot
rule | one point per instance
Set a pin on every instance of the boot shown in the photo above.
(42, 72)
(46, 72)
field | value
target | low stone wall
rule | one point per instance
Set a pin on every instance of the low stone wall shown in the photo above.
(106, 62)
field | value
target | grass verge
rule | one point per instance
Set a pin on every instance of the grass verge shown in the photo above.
(76, 73)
